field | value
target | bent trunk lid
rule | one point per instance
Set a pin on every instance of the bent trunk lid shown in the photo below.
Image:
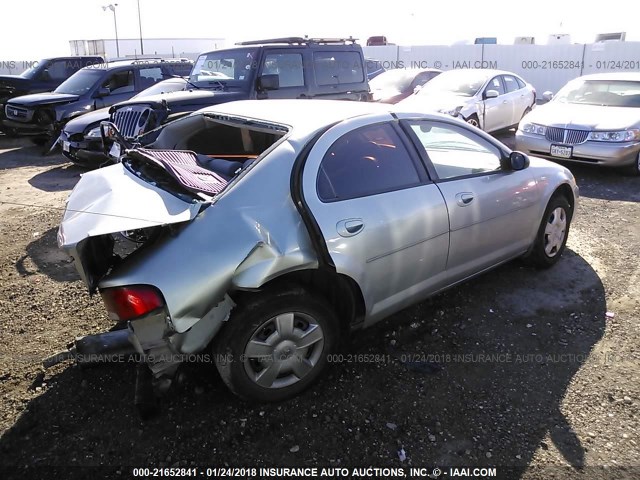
(112, 200)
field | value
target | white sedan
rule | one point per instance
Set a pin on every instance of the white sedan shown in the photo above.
(488, 99)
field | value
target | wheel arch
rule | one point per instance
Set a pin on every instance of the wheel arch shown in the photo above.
(341, 292)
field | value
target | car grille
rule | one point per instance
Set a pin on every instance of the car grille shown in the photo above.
(565, 135)
(16, 113)
(132, 121)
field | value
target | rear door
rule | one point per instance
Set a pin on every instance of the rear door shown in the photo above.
(384, 223)
(491, 209)
(520, 97)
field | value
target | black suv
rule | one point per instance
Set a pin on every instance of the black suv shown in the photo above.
(292, 67)
(43, 115)
(41, 76)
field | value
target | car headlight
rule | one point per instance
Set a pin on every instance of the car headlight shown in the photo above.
(93, 133)
(617, 136)
(534, 128)
(454, 112)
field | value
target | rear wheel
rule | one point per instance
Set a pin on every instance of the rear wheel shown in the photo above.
(276, 345)
(551, 238)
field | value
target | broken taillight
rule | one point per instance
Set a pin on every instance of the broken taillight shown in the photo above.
(126, 303)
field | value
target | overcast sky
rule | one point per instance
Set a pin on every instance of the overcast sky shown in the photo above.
(37, 28)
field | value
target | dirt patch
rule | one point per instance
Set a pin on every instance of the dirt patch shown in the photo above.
(519, 369)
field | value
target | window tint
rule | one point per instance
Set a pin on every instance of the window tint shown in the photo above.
(456, 152)
(58, 70)
(149, 76)
(511, 83)
(366, 161)
(288, 67)
(338, 67)
(120, 82)
(521, 84)
(495, 84)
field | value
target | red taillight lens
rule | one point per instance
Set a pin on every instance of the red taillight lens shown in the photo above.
(125, 303)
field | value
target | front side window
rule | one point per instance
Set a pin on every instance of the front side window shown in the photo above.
(120, 82)
(495, 84)
(224, 67)
(288, 67)
(366, 161)
(456, 152)
(334, 68)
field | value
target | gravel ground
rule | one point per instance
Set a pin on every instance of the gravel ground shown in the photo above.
(532, 372)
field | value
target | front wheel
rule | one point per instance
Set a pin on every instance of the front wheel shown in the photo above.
(633, 170)
(473, 120)
(276, 345)
(552, 235)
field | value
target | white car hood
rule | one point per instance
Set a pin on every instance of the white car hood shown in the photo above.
(435, 102)
(584, 117)
(112, 199)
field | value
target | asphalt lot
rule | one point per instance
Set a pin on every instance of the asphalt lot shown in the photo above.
(533, 372)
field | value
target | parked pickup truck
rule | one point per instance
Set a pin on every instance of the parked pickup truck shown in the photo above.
(42, 76)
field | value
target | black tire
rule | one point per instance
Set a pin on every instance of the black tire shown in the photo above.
(259, 318)
(634, 169)
(549, 246)
(10, 132)
(473, 120)
(526, 111)
(40, 141)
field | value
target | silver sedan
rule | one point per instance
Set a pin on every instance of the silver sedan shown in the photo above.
(266, 230)
(593, 119)
(488, 99)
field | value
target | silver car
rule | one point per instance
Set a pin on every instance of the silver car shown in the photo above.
(268, 230)
(488, 99)
(593, 119)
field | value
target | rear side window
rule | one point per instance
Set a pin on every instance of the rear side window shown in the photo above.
(366, 161)
(58, 70)
(288, 67)
(334, 68)
(520, 83)
(511, 83)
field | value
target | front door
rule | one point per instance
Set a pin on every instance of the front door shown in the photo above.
(491, 209)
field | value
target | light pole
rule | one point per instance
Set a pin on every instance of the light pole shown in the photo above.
(112, 7)
(140, 26)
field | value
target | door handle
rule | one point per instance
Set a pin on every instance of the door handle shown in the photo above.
(350, 227)
(465, 198)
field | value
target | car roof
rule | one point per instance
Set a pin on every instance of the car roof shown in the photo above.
(612, 76)
(142, 62)
(305, 117)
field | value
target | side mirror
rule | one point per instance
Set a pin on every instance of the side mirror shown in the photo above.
(268, 82)
(102, 92)
(417, 89)
(547, 96)
(45, 75)
(491, 94)
(518, 161)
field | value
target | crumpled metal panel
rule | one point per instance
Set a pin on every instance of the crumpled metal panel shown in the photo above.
(251, 234)
(112, 199)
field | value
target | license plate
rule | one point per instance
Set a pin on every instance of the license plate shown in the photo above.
(115, 150)
(561, 151)
(65, 146)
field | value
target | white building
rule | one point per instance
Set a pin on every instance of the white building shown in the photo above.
(156, 47)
